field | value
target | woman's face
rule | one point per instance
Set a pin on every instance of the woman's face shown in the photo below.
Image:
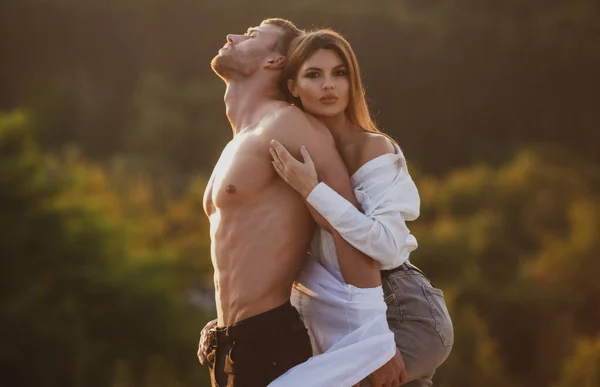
(322, 84)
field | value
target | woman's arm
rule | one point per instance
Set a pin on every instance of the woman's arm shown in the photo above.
(357, 268)
(382, 235)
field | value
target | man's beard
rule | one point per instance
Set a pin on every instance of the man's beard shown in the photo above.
(225, 66)
(228, 67)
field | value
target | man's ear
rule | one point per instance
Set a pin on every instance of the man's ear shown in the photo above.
(276, 63)
(291, 85)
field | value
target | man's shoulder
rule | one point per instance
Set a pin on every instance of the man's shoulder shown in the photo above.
(294, 128)
(292, 120)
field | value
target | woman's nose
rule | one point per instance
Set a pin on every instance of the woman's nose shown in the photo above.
(328, 84)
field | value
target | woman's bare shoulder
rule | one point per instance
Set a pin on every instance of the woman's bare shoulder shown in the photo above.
(373, 146)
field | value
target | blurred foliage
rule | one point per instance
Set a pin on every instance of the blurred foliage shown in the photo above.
(518, 245)
(93, 287)
(113, 121)
(456, 83)
(583, 368)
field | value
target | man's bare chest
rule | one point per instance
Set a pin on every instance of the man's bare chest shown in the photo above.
(241, 173)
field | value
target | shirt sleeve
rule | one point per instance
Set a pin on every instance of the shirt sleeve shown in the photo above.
(382, 235)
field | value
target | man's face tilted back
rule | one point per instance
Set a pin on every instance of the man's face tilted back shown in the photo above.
(243, 55)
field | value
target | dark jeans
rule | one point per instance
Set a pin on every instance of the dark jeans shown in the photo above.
(255, 351)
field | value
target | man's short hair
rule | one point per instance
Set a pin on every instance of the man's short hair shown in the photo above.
(290, 32)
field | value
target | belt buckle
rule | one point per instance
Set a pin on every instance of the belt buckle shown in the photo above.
(212, 338)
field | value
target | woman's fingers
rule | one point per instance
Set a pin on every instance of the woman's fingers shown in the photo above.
(280, 150)
(285, 157)
(274, 154)
(279, 171)
(276, 158)
(306, 156)
(277, 168)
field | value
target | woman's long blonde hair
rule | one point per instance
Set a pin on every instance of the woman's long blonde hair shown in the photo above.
(306, 45)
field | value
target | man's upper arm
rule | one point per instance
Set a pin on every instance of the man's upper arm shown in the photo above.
(297, 129)
(300, 130)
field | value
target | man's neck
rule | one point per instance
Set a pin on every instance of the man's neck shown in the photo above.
(248, 101)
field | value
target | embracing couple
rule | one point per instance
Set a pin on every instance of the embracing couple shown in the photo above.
(308, 206)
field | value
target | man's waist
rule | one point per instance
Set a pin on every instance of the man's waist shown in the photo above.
(250, 302)
(254, 328)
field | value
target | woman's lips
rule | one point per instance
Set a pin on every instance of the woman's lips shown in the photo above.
(329, 99)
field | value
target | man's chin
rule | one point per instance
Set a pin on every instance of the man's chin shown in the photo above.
(216, 65)
(220, 66)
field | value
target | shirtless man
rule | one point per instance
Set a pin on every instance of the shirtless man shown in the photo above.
(260, 228)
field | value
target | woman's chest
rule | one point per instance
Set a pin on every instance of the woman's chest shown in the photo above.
(350, 153)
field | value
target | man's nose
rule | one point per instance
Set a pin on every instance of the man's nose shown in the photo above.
(232, 39)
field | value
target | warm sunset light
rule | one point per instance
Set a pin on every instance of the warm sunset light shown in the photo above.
(141, 196)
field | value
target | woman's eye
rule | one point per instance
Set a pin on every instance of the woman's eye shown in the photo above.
(341, 73)
(312, 75)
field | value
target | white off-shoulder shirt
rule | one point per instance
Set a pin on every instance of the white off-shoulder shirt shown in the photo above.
(388, 197)
(347, 325)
